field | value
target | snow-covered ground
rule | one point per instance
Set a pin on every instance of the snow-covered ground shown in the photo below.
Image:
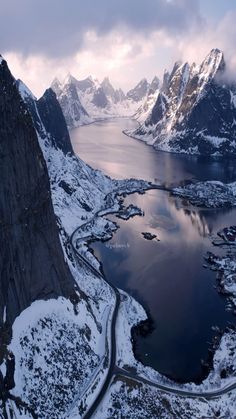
(128, 399)
(49, 341)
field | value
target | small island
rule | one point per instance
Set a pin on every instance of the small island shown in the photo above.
(129, 212)
(150, 236)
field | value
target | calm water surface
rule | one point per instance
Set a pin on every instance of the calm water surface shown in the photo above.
(168, 276)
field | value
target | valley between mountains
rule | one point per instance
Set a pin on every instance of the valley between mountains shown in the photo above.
(67, 342)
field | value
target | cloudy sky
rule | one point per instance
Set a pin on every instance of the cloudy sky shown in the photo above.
(124, 39)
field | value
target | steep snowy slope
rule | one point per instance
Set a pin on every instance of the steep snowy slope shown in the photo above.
(145, 109)
(59, 344)
(114, 95)
(194, 111)
(32, 261)
(30, 252)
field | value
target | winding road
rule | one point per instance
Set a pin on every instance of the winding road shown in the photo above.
(113, 370)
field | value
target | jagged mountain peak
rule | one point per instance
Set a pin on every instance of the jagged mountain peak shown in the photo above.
(106, 83)
(93, 80)
(89, 82)
(154, 86)
(106, 80)
(56, 81)
(69, 79)
(99, 98)
(114, 95)
(50, 94)
(176, 67)
(195, 110)
(216, 52)
(155, 80)
(142, 82)
(139, 91)
(53, 120)
(212, 64)
(56, 85)
(179, 70)
(165, 81)
(25, 92)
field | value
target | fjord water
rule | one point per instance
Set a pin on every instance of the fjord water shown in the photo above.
(166, 276)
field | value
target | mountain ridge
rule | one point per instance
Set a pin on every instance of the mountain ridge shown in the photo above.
(194, 111)
(97, 100)
(29, 230)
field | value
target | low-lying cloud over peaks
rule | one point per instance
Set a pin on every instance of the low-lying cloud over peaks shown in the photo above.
(49, 38)
(222, 35)
(56, 28)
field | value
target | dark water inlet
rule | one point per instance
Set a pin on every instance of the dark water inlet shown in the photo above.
(166, 276)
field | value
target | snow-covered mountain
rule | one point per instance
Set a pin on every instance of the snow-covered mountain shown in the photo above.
(68, 97)
(28, 252)
(84, 101)
(195, 110)
(139, 92)
(149, 101)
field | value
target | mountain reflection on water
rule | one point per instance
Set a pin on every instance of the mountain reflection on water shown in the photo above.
(166, 276)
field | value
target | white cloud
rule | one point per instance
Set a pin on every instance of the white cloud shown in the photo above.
(222, 35)
(124, 58)
(127, 56)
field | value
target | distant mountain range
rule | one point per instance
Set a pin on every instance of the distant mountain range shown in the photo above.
(83, 101)
(194, 111)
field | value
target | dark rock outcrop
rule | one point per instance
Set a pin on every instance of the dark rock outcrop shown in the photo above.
(53, 120)
(47, 117)
(154, 85)
(32, 263)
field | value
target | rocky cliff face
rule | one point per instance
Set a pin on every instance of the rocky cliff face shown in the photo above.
(194, 111)
(53, 120)
(31, 262)
(144, 110)
(47, 117)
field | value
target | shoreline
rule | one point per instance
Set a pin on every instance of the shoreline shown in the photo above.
(147, 326)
